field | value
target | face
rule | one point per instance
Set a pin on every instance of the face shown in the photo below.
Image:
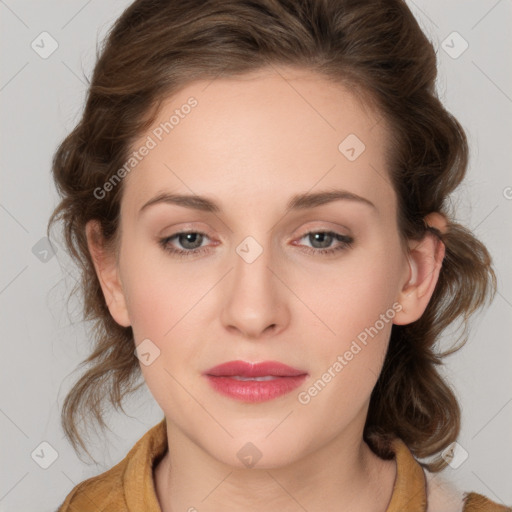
(314, 285)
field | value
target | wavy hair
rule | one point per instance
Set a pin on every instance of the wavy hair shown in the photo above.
(376, 47)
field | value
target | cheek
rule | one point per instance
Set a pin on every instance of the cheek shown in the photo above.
(357, 303)
(158, 304)
(161, 302)
(358, 307)
(157, 294)
(351, 295)
(149, 304)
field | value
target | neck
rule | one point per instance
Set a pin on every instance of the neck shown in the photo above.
(189, 479)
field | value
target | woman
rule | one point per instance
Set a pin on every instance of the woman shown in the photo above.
(257, 196)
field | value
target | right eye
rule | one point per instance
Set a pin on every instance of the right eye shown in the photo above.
(188, 239)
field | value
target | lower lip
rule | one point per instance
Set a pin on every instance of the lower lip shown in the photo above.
(254, 390)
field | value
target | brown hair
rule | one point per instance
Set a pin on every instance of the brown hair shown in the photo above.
(377, 48)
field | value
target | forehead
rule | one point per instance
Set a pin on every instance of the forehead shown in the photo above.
(260, 137)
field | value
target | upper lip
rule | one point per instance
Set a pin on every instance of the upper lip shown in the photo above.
(247, 369)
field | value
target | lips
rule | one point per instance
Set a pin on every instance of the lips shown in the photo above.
(246, 369)
(254, 382)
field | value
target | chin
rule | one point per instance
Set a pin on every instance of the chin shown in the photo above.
(248, 452)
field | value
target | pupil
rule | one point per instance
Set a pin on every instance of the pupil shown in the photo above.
(323, 237)
(189, 236)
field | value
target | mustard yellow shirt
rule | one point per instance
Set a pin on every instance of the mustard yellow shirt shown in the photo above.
(129, 485)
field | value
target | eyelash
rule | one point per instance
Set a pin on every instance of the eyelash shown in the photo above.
(345, 243)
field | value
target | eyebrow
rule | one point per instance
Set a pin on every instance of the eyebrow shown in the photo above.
(297, 202)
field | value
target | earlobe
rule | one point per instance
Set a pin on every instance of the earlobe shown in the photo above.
(107, 272)
(424, 261)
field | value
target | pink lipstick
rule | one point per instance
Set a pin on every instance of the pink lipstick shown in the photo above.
(254, 382)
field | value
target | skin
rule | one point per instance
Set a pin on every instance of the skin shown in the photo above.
(250, 144)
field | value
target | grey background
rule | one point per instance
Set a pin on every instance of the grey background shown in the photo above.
(43, 341)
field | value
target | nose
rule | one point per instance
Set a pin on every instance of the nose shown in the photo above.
(255, 297)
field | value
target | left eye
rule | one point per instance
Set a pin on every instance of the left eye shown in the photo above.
(325, 238)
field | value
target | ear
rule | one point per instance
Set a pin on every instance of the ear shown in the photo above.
(425, 259)
(106, 267)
